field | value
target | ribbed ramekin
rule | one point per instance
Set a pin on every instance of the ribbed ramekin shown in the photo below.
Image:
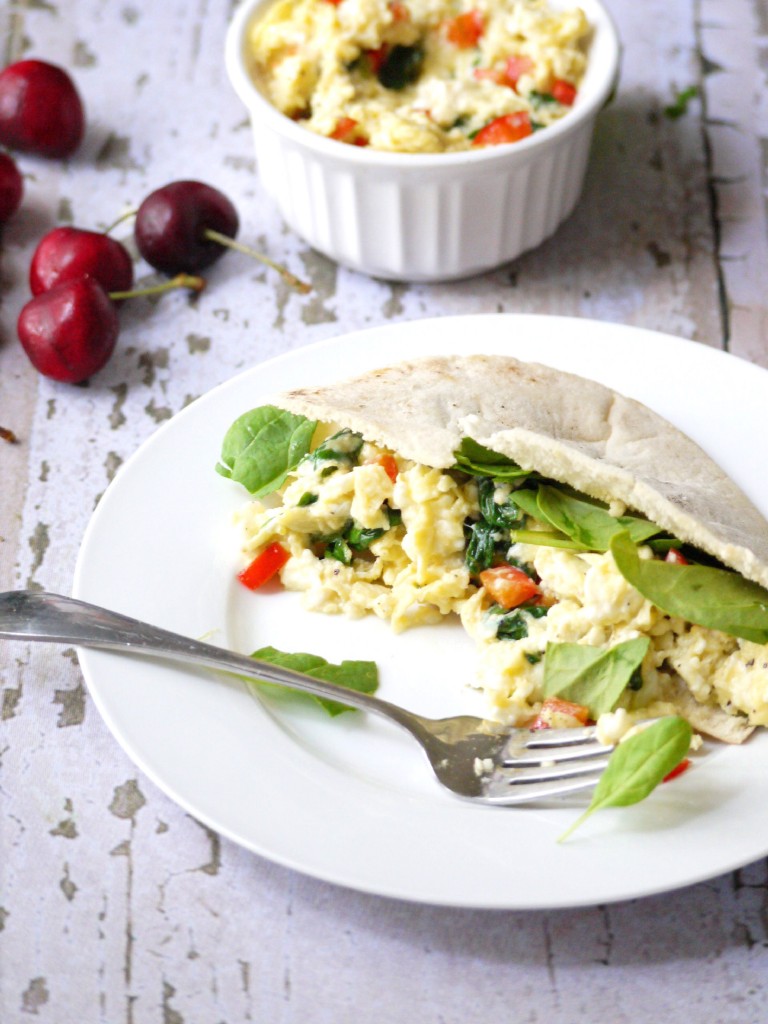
(425, 217)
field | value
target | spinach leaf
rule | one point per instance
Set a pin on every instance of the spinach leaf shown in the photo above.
(513, 625)
(343, 446)
(359, 538)
(401, 67)
(394, 515)
(505, 515)
(592, 676)
(352, 537)
(540, 99)
(481, 546)
(355, 675)
(262, 446)
(586, 523)
(475, 460)
(711, 597)
(525, 499)
(638, 765)
(546, 539)
(340, 550)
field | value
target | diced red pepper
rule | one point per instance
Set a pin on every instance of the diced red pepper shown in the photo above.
(508, 586)
(264, 566)
(348, 130)
(684, 765)
(676, 557)
(465, 30)
(507, 128)
(564, 92)
(515, 68)
(556, 713)
(399, 11)
(389, 464)
(510, 74)
(334, 2)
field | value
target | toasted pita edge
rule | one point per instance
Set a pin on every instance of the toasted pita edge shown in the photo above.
(708, 719)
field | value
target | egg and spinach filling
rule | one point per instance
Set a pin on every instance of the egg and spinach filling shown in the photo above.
(420, 76)
(570, 602)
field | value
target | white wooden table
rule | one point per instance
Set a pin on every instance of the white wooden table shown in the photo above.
(118, 907)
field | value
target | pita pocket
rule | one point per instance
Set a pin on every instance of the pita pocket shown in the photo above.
(565, 427)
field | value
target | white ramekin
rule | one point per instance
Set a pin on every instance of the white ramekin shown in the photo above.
(425, 217)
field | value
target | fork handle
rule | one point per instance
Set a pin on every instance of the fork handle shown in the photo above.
(53, 618)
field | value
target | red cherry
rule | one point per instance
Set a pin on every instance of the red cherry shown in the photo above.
(70, 331)
(40, 109)
(172, 222)
(11, 187)
(67, 253)
(187, 225)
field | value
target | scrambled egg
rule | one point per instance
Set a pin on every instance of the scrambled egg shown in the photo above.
(371, 532)
(419, 76)
(412, 574)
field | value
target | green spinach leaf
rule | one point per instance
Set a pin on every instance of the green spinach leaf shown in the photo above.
(402, 66)
(472, 458)
(526, 499)
(513, 625)
(343, 446)
(539, 99)
(262, 446)
(586, 523)
(592, 676)
(506, 515)
(711, 597)
(481, 546)
(638, 765)
(362, 676)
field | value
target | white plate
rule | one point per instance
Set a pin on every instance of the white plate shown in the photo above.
(351, 800)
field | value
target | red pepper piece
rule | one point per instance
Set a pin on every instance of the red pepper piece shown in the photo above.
(564, 92)
(465, 30)
(264, 566)
(684, 765)
(348, 130)
(507, 128)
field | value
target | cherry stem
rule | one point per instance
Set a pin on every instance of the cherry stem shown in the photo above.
(230, 243)
(123, 217)
(196, 284)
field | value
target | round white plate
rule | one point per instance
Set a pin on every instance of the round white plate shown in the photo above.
(352, 800)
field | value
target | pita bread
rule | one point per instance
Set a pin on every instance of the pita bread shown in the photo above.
(707, 718)
(570, 429)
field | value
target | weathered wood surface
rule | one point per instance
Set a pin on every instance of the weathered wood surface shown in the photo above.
(118, 907)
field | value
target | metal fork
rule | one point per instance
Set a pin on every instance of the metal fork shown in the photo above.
(473, 758)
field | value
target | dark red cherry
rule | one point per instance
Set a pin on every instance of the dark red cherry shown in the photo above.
(40, 109)
(67, 253)
(172, 226)
(70, 331)
(11, 187)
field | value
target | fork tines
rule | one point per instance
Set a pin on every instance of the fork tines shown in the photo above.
(546, 763)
